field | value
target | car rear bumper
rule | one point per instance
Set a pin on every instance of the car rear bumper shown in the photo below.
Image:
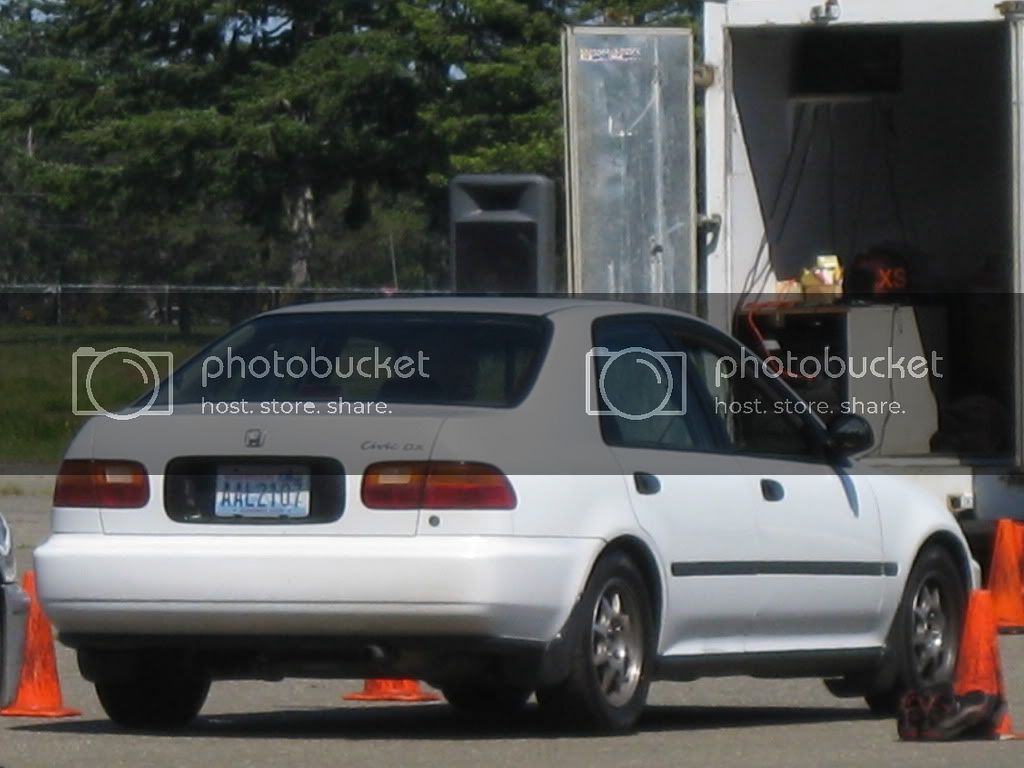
(499, 586)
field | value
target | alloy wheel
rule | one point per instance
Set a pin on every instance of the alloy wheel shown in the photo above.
(932, 642)
(617, 642)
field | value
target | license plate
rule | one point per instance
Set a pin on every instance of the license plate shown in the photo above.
(263, 492)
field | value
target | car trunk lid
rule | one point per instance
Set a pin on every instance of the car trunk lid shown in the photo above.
(263, 473)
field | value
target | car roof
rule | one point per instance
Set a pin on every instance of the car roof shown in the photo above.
(519, 305)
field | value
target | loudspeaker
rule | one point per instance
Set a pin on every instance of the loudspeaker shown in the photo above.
(502, 233)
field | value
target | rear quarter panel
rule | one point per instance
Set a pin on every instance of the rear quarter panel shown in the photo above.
(910, 519)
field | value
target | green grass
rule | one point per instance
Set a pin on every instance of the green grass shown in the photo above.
(36, 421)
(10, 489)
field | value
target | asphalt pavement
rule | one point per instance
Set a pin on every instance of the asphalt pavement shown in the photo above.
(715, 722)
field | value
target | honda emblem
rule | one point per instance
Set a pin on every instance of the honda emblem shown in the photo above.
(254, 438)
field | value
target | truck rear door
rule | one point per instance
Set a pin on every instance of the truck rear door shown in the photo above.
(630, 176)
(1015, 18)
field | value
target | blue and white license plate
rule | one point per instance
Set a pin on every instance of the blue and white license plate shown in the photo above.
(262, 492)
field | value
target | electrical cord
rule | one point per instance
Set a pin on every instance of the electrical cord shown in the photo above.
(832, 208)
(858, 209)
(892, 385)
(758, 278)
(755, 270)
(890, 148)
(762, 343)
(791, 205)
(760, 273)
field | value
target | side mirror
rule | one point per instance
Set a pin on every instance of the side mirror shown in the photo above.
(849, 434)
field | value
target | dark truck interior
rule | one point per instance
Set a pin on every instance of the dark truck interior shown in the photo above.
(884, 147)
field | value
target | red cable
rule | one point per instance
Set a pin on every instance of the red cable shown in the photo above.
(765, 354)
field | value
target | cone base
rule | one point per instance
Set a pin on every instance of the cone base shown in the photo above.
(16, 711)
(406, 697)
(1004, 729)
(1011, 630)
(391, 690)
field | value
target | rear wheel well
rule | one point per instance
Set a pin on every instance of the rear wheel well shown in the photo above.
(883, 686)
(637, 551)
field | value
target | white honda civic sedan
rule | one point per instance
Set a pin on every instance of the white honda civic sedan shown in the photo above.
(501, 497)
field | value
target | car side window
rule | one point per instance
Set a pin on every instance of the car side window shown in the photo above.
(756, 415)
(638, 385)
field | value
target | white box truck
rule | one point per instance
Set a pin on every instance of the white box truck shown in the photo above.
(811, 127)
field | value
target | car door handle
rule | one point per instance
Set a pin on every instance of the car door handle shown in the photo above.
(646, 483)
(772, 490)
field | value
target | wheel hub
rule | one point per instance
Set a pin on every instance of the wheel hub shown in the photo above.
(929, 634)
(617, 644)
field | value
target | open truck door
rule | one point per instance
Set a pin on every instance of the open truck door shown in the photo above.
(1014, 13)
(630, 176)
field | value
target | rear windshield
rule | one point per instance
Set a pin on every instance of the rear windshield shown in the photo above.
(429, 357)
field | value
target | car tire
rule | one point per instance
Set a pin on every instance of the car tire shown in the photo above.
(925, 636)
(484, 700)
(611, 647)
(166, 703)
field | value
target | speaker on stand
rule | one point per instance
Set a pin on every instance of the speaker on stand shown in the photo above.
(502, 234)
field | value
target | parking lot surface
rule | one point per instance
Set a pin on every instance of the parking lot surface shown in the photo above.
(716, 722)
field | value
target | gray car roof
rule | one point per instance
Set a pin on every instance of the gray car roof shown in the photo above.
(449, 303)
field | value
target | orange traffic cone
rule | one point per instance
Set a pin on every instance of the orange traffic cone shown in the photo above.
(978, 665)
(391, 690)
(39, 687)
(1005, 578)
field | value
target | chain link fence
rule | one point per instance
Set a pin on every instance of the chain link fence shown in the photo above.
(184, 306)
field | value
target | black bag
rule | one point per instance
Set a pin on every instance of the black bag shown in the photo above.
(938, 714)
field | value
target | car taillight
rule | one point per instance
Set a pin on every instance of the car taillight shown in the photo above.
(454, 485)
(101, 483)
(394, 485)
(436, 485)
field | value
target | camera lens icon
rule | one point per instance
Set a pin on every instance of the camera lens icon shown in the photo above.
(636, 383)
(90, 367)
